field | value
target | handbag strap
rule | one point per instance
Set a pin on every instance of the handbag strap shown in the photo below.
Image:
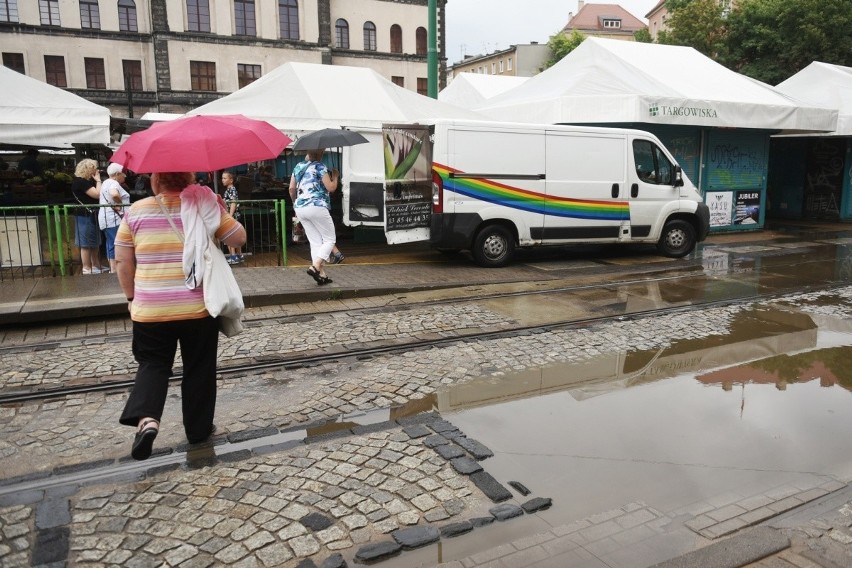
(169, 218)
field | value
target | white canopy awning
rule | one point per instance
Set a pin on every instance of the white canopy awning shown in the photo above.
(471, 90)
(34, 113)
(824, 85)
(611, 81)
(300, 97)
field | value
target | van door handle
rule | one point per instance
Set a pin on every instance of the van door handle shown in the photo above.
(615, 190)
(634, 190)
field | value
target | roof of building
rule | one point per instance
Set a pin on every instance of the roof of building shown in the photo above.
(591, 18)
(660, 5)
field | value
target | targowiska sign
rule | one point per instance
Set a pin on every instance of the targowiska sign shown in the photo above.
(685, 111)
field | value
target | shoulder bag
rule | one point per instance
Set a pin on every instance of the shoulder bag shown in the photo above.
(223, 298)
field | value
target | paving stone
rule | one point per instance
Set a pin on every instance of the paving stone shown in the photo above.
(456, 529)
(377, 551)
(537, 504)
(490, 486)
(415, 537)
(478, 450)
(465, 466)
(417, 431)
(449, 451)
(481, 521)
(51, 545)
(306, 563)
(506, 511)
(435, 440)
(316, 522)
(274, 554)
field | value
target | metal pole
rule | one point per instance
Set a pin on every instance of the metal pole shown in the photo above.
(432, 50)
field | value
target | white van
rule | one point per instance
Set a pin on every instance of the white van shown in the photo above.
(490, 187)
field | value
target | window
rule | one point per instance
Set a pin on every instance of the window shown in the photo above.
(398, 81)
(396, 38)
(247, 74)
(369, 36)
(90, 16)
(132, 74)
(54, 70)
(612, 24)
(509, 65)
(501, 66)
(8, 11)
(14, 61)
(341, 34)
(652, 166)
(202, 75)
(127, 16)
(423, 86)
(198, 15)
(421, 39)
(244, 17)
(95, 75)
(288, 16)
(493, 67)
(49, 13)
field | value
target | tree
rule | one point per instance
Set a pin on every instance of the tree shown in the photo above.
(643, 36)
(696, 23)
(562, 44)
(770, 40)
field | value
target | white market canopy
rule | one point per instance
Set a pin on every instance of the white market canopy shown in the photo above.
(612, 81)
(300, 97)
(33, 113)
(471, 90)
(825, 85)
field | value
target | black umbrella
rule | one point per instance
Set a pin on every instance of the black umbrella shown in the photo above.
(328, 138)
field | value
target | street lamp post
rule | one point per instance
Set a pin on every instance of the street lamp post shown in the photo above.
(432, 50)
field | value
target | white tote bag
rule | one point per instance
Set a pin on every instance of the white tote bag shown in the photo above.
(222, 295)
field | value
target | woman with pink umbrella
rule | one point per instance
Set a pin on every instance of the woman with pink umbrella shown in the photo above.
(159, 256)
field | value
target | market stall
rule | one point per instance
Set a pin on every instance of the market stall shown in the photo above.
(716, 122)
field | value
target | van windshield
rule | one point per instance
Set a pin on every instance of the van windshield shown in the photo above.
(652, 165)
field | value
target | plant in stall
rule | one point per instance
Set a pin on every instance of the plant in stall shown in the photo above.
(63, 177)
(35, 180)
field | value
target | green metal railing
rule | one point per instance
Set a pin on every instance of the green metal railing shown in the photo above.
(38, 241)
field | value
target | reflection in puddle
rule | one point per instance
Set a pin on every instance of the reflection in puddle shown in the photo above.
(752, 334)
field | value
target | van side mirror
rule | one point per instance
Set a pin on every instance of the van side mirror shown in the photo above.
(678, 182)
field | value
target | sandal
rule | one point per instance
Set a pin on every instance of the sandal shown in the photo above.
(322, 280)
(313, 273)
(143, 441)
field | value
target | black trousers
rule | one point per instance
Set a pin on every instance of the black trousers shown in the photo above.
(154, 348)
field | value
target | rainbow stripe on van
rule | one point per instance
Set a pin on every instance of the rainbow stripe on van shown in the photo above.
(516, 198)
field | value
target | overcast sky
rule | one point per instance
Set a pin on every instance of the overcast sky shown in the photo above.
(477, 27)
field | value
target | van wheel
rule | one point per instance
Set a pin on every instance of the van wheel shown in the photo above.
(677, 240)
(493, 247)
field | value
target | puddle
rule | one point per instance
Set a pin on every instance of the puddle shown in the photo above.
(763, 405)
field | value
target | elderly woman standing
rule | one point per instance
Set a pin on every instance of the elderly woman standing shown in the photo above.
(165, 312)
(310, 187)
(112, 193)
(86, 189)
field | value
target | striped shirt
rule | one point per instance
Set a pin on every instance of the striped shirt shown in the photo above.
(160, 293)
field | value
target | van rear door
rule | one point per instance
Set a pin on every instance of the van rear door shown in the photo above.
(407, 151)
(586, 187)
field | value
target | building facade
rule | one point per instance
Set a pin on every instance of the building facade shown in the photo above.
(603, 20)
(137, 56)
(524, 60)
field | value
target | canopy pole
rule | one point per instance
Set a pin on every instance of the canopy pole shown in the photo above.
(432, 50)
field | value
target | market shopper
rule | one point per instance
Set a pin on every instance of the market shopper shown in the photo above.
(114, 194)
(86, 189)
(232, 197)
(310, 187)
(166, 313)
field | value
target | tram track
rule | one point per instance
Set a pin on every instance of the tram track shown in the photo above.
(267, 362)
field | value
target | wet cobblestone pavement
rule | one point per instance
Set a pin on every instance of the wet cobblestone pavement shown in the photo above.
(280, 504)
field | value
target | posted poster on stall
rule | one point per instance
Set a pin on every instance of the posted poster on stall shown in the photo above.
(721, 205)
(748, 208)
(408, 177)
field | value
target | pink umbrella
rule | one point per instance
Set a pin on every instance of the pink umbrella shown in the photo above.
(201, 143)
